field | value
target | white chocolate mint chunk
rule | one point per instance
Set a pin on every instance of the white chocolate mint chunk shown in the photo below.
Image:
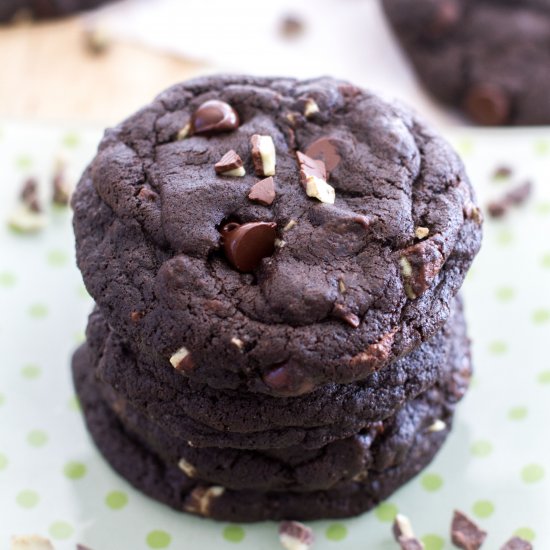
(179, 356)
(263, 155)
(236, 172)
(30, 542)
(25, 220)
(319, 189)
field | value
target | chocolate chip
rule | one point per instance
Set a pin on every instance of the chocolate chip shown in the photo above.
(515, 197)
(295, 536)
(29, 195)
(97, 40)
(325, 149)
(286, 381)
(342, 312)
(376, 355)
(292, 26)
(404, 535)
(446, 16)
(517, 544)
(146, 194)
(246, 245)
(214, 116)
(420, 265)
(502, 173)
(230, 165)
(313, 175)
(61, 188)
(137, 316)
(488, 104)
(465, 533)
(263, 192)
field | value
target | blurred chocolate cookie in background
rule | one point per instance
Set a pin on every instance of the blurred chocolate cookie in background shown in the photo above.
(17, 10)
(489, 58)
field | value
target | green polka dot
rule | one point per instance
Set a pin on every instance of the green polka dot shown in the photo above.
(532, 473)
(74, 404)
(433, 542)
(82, 292)
(233, 533)
(23, 162)
(525, 533)
(544, 377)
(158, 539)
(431, 482)
(2, 399)
(38, 311)
(3, 462)
(541, 147)
(517, 413)
(505, 293)
(27, 499)
(57, 258)
(481, 448)
(386, 511)
(541, 316)
(7, 279)
(543, 208)
(505, 237)
(465, 147)
(37, 438)
(498, 347)
(545, 261)
(71, 140)
(116, 500)
(74, 470)
(61, 530)
(79, 337)
(336, 532)
(483, 508)
(30, 372)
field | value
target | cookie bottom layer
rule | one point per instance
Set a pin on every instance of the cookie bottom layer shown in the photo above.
(164, 482)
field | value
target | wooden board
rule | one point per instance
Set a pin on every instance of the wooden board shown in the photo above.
(48, 73)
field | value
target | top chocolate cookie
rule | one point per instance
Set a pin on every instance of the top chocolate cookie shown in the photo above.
(488, 57)
(272, 234)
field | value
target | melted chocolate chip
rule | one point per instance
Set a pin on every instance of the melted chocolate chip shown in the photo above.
(488, 104)
(285, 381)
(263, 192)
(214, 116)
(246, 245)
(324, 149)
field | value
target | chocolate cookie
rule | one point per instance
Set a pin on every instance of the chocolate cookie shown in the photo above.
(209, 417)
(377, 447)
(166, 480)
(44, 9)
(489, 58)
(345, 261)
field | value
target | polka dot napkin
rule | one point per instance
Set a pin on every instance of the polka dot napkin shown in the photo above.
(495, 467)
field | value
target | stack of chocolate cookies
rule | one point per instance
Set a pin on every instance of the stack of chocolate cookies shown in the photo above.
(275, 265)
